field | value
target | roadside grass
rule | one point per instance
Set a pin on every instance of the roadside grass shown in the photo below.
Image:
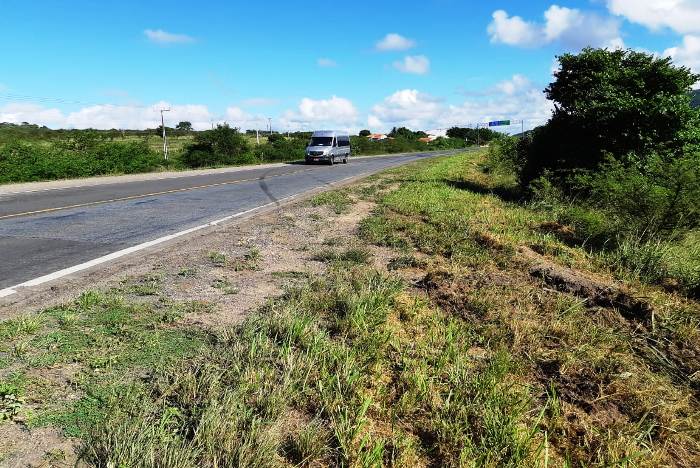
(478, 364)
(248, 261)
(619, 389)
(225, 286)
(350, 370)
(358, 255)
(96, 344)
(338, 200)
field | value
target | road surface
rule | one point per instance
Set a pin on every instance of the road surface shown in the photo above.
(43, 234)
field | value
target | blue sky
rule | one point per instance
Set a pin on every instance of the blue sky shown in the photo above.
(428, 64)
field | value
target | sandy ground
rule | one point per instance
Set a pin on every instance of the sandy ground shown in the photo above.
(263, 255)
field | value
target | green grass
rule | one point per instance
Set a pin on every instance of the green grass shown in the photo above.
(351, 256)
(338, 200)
(111, 342)
(346, 371)
(471, 225)
(224, 286)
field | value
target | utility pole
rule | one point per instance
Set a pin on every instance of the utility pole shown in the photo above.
(165, 138)
(269, 124)
(478, 140)
(257, 135)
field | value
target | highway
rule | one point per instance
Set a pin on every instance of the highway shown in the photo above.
(43, 233)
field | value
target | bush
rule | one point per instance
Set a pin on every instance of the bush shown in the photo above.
(660, 199)
(622, 103)
(221, 146)
(503, 155)
(22, 162)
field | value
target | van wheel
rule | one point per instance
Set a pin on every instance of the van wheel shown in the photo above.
(345, 160)
(331, 160)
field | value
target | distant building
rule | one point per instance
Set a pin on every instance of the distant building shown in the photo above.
(437, 133)
(377, 136)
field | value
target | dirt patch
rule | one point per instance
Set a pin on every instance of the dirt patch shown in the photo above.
(596, 292)
(455, 293)
(561, 231)
(45, 447)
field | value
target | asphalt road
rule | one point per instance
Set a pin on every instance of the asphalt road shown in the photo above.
(47, 231)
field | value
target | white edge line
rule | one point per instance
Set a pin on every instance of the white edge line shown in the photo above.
(129, 250)
(121, 253)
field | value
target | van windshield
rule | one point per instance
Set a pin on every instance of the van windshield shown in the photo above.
(321, 141)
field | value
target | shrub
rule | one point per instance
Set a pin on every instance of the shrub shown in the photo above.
(220, 146)
(503, 154)
(660, 199)
(22, 162)
(613, 102)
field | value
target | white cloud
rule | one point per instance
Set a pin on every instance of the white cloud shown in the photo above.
(513, 30)
(414, 64)
(326, 63)
(393, 41)
(108, 116)
(687, 54)
(163, 37)
(570, 27)
(513, 85)
(682, 16)
(32, 113)
(516, 98)
(406, 108)
(337, 112)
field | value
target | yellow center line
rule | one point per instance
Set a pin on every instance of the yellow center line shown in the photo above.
(133, 197)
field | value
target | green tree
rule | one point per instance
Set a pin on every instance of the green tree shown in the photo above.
(184, 126)
(406, 133)
(365, 133)
(621, 103)
(484, 135)
(695, 98)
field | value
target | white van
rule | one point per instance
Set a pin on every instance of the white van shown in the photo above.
(328, 146)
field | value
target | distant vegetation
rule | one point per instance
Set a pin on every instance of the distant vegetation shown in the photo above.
(31, 153)
(619, 162)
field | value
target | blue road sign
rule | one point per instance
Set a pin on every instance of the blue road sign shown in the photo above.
(499, 123)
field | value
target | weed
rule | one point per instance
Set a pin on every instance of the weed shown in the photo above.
(224, 286)
(218, 259)
(21, 326)
(249, 261)
(338, 200)
(405, 261)
(352, 256)
(187, 272)
(11, 400)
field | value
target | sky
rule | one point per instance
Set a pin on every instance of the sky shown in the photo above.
(428, 64)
